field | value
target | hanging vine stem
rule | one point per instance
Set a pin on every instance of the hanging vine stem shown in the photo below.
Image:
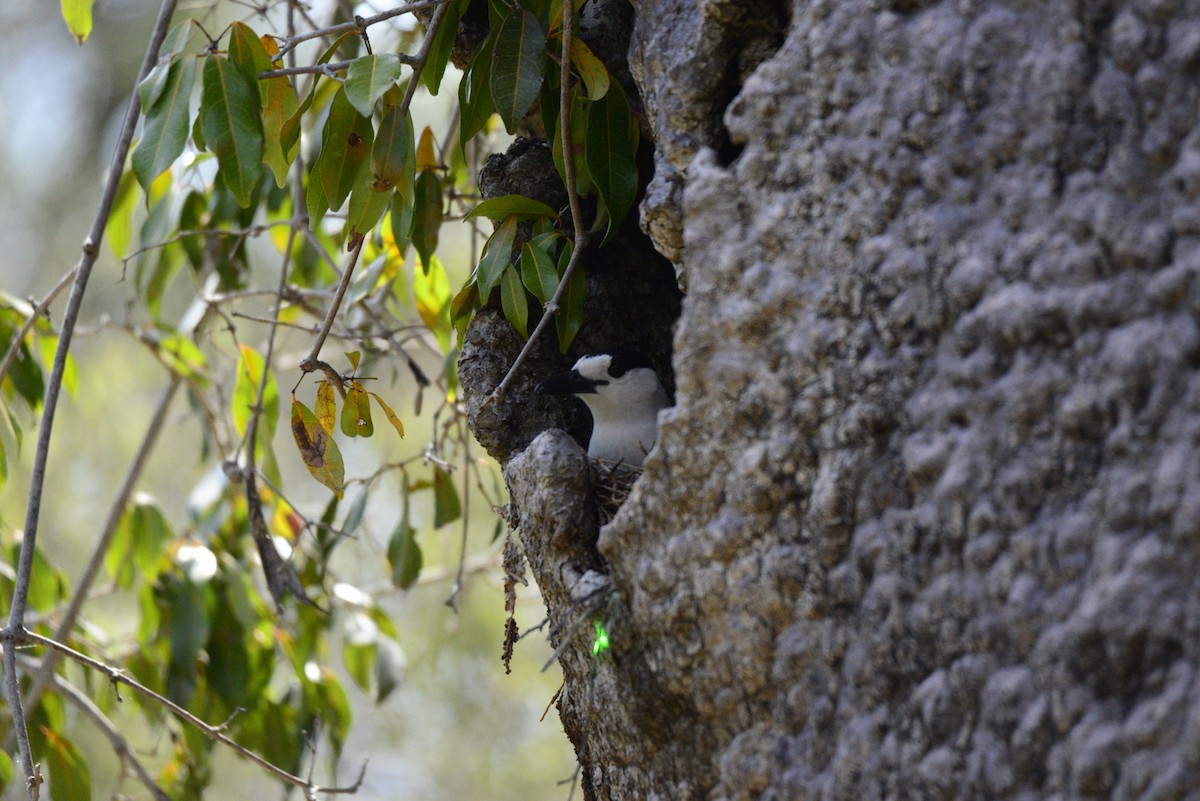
(91, 250)
(550, 310)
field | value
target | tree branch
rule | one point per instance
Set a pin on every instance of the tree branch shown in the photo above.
(550, 310)
(13, 639)
(91, 250)
(286, 45)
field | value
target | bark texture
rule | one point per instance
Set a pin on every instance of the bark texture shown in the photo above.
(925, 520)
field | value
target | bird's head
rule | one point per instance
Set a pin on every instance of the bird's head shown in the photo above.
(610, 382)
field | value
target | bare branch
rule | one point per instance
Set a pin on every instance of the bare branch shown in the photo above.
(14, 638)
(286, 45)
(551, 308)
(329, 70)
(91, 250)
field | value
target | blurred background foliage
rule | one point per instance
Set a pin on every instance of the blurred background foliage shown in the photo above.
(455, 726)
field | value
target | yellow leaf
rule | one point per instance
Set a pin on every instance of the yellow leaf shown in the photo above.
(391, 416)
(425, 157)
(78, 16)
(326, 407)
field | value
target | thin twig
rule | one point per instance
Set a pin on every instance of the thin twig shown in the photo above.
(38, 311)
(119, 744)
(116, 512)
(551, 308)
(290, 42)
(15, 638)
(323, 69)
(310, 361)
(91, 250)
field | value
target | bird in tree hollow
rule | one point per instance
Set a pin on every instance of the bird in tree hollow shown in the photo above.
(623, 393)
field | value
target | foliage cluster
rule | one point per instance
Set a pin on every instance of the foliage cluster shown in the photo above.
(238, 141)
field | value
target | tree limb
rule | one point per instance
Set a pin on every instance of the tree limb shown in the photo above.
(91, 250)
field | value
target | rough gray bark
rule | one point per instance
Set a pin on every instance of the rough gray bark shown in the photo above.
(924, 521)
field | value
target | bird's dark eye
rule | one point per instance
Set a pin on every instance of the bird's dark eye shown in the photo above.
(622, 361)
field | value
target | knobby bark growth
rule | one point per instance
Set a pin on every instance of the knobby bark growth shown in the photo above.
(923, 521)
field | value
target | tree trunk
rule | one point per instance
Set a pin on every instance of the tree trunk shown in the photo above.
(924, 521)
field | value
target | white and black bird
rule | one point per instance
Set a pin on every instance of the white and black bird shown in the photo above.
(623, 393)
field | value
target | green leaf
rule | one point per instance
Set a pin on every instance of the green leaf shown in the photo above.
(570, 313)
(609, 154)
(78, 16)
(354, 357)
(368, 78)
(249, 55)
(442, 45)
(356, 412)
(345, 145)
(70, 779)
(513, 301)
(498, 208)
(167, 123)
(138, 544)
(153, 84)
(119, 230)
(182, 356)
(538, 272)
(318, 449)
(497, 255)
(359, 660)
(354, 514)
(367, 205)
(590, 68)
(475, 103)
(403, 552)
(393, 150)
(427, 215)
(391, 416)
(232, 126)
(6, 770)
(70, 379)
(446, 506)
(517, 65)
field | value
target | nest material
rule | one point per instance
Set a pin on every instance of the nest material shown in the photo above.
(612, 482)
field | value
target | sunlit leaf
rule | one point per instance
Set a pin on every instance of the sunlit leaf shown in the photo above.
(426, 157)
(232, 126)
(591, 69)
(538, 272)
(70, 378)
(368, 78)
(431, 290)
(326, 407)
(513, 301)
(446, 506)
(570, 314)
(497, 255)
(517, 65)
(609, 154)
(427, 215)
(6, 770)
(320, 453)
(119, 231)
(183, 356)
(70, 778)
(353, 356)
(359, 661)
(356, 412)
(245, 392)
(498, 208)
(280, 148)
(78, 16)
(391, 416)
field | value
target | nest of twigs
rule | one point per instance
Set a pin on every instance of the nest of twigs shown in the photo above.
(613, 481)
